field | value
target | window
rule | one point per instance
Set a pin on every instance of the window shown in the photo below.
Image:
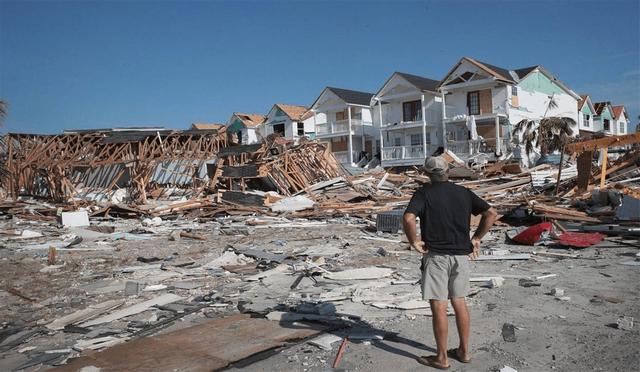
(411, 111)
(342, 115)
(621, 131)
(397, 141)
(416, 139)
(473, 103)
(586, 117)
(607, 124)
(514, 91)
(279, 128)
(301, 129)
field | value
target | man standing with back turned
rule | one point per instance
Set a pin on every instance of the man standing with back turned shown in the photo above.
(445, 210)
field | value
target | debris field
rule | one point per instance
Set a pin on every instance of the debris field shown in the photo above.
(273, 257)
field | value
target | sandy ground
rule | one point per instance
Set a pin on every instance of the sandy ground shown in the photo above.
(577, 334)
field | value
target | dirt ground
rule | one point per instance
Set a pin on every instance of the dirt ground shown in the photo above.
(578, 333)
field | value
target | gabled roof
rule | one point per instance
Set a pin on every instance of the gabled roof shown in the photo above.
(600, 106)
(585, 99)
(250, 120)
(510, 76)
(619, 110)
(352, 96)
(294, 112)
(422, 83)
(207, 126)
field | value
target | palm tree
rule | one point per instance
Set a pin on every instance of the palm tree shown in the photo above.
(551, 134)
(555, 133)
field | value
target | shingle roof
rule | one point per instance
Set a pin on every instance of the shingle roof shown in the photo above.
(522, 72)
(420, 82)
(352, 96)
(250, 120)
(294, 112)
(618, 110)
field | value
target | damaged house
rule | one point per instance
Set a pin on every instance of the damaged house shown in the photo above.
(108, 164)
(289, 121)
(483, 101)
(243, 128)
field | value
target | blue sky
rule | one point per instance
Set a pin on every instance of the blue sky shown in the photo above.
(100, 64)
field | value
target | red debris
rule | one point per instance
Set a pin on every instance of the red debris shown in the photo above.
(580, 240)
(531, 235)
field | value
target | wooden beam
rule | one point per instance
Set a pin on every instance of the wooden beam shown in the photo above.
(603, 173)
(591, 145)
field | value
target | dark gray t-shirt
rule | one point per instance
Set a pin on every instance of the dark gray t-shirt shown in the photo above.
(445, 211)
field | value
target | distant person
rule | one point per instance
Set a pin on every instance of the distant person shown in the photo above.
(445, 210)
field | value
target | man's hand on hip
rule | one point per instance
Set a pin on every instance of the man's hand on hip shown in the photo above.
(475, 242)
(419, 246)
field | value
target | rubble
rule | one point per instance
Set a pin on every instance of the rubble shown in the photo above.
(278, 239)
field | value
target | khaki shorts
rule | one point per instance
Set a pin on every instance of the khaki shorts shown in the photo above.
(444, 276)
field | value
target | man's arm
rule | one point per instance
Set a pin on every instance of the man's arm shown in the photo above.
(410, 230)
(488, 218)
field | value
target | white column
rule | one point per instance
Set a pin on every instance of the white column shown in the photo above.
(350, 143)
(424, 127)
(498, 145)
(315, 125)
(380, 130)
(443, 125)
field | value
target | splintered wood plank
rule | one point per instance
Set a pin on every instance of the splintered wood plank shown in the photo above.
(204, 347)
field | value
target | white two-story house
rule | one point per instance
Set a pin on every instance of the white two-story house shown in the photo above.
(586, 113)
(288, 121)
(244, 127)
(482, 103)
(342, 119)
(408, 111)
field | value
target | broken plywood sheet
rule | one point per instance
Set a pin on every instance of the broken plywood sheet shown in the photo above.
(204, 347)
(134, 309)
(84, 314)
(360, 274)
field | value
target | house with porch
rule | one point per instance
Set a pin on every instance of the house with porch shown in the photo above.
(342, 119)
(586, 112)
(408, 111)
(481, 102)
(288, 121)
(243, 128)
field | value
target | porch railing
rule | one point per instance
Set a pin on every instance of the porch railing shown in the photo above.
(340, 126)
(406, 152)
(473, 147)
